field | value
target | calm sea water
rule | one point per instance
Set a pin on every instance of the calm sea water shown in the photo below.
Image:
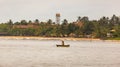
(44, 53)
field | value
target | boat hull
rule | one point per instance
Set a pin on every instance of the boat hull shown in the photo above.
(63, 45)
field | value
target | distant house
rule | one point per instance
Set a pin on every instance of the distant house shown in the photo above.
(110, 34)
(25, 26)
(80, 24)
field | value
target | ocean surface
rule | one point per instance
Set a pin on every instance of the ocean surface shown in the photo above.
(44, 53)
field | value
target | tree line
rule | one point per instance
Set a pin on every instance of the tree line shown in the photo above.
(105, 27)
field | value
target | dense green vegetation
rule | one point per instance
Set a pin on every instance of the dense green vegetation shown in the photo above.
(103, 28)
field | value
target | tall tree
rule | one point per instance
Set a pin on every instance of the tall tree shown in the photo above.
(10, 22)
(65, 22)
(85, 19)
(23, 22)
(79, 18)
(49, 22)
(36, 22)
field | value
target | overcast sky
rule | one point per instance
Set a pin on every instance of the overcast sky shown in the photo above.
(46, 9)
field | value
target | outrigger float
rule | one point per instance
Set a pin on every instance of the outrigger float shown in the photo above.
(63, 45)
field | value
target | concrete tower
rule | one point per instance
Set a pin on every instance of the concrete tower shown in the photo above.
(58, 18)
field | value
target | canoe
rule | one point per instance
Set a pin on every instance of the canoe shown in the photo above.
(63, 45)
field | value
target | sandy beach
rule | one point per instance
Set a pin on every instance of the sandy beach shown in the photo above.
(45, 38)
(53, 38)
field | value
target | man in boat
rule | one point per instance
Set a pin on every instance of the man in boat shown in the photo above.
(62, 45)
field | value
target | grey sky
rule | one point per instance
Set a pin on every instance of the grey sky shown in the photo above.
(46, 9)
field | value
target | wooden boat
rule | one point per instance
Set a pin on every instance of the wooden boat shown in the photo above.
(63, 45)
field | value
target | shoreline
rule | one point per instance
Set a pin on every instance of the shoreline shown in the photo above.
(53, 38)
(45, 38)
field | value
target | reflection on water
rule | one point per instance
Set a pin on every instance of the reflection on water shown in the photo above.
(44, 53)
